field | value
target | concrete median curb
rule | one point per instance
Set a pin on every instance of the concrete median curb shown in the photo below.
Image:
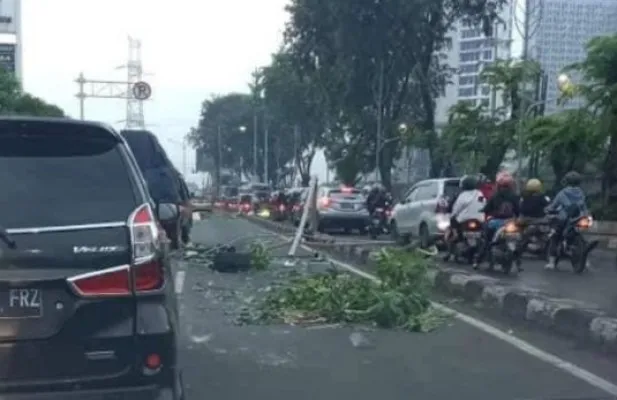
(576, 320)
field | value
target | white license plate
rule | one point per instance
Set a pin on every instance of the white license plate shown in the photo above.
(21, 303)
(511, 246)
(471, 241)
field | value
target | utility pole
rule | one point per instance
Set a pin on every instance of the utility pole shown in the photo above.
(266, 134)
(255, 128)
(134, 90)
(379, 118)
(296, 155)
(219, 161)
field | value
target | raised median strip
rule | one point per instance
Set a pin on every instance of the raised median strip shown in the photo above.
(573, 319)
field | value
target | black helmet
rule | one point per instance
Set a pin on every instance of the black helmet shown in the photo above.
(469, 182)
(482, 178)
(572, 178)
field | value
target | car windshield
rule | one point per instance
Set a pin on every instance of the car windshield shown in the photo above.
(60, 181)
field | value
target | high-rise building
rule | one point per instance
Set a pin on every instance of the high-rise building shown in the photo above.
(11, 37)
(469, 53)
(563, 31)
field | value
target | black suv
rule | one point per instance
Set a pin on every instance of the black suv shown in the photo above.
(162, 178)
(87, 307)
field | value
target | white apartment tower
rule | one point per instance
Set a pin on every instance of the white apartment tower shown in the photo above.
(470, 52)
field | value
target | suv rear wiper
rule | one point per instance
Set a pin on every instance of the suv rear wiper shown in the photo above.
(6, 238)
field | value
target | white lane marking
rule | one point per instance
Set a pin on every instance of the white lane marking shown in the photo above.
(179, 282)
(196, 216)
(559, 363)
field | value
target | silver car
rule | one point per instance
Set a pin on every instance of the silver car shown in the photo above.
(424, 211)
(341, 208)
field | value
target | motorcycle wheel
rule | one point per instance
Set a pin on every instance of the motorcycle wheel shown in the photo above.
(578, 258)
(506, 264)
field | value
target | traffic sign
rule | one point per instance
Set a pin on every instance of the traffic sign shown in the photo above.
(142, 90)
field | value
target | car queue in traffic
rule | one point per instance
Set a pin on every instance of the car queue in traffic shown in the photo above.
(472, 219)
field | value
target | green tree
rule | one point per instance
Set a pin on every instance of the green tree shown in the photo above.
(484, 134)
(14, 101)
(224, 134)
(291, 98)
(599, 88)
(371, 57)
(570, 140)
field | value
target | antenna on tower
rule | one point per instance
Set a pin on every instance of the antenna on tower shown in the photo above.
(134, 90)
(134, 105)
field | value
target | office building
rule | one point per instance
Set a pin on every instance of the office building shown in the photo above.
(562, 33)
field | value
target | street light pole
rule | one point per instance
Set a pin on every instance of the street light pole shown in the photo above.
(220, 159)
(379, 118)
(255, 127)
(266, 134)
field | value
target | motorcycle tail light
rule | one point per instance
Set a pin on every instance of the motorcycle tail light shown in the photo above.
(510, 227)
(473, 225)
(281, 207)
(583, 223)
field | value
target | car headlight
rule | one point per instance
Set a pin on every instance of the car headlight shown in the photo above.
(442, 225)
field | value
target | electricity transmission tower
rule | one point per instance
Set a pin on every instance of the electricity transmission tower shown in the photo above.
(134, 90)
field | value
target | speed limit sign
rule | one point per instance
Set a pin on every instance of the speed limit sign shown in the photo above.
(142, 90)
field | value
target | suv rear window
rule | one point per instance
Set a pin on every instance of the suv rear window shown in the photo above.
(451, 188)
(59, 180)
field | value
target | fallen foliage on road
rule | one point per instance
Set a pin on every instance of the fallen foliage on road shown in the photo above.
(201, 255)
(400, 299)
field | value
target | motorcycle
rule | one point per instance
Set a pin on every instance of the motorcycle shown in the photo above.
(379, 222)
(503, 250)
(536, 238)
(470, 241)
(573, 244)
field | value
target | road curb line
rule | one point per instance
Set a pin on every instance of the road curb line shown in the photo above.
(566, 317)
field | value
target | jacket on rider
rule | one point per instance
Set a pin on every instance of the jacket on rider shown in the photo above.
(533, 205)
(570, 202)
(504, 204)
(468, 205)
(376, 198)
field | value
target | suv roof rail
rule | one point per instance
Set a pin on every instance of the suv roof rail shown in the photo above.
(62, 122)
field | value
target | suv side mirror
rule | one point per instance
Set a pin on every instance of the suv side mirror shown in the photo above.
(167, 212)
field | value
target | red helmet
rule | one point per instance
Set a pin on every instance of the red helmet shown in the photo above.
(504, 179)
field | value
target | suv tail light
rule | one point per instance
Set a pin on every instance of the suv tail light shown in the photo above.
(325, 202)
(144, 275)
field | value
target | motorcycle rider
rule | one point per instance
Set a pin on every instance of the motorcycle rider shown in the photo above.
(569, 203)
(467, 206)
(485, 186)
(533, 204)
(503, 205)
(533, 200)
(376, 198)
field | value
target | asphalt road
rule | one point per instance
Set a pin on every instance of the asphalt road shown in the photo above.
(226, 360)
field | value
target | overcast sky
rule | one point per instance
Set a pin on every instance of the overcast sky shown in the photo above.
(192, 48)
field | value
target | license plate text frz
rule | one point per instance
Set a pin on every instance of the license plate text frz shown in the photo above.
(21, 303)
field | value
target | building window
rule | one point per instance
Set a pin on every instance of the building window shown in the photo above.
(486, 90)
(488, 54)
(469, 68)
(466, 80)
(472, 45)
(470, 57)
(466, 92)
(484, 102)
